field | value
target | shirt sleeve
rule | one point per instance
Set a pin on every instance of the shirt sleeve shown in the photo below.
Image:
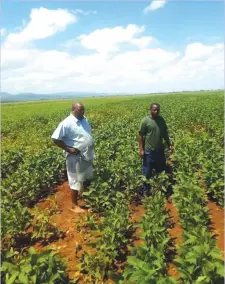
(59, 133)
(143, 128)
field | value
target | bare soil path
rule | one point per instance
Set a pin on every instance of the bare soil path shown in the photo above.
(175, 233)
(70, 223)
(216, 214)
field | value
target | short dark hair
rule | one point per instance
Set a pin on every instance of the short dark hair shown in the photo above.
(154, 104)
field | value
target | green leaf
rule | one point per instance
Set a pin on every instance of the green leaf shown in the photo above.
(220, 270)
(23, 278)
(11, 253)
(34, 278)
(54, 277)
(8, 266)
(202, 279)
(32, 250)
(12, 278)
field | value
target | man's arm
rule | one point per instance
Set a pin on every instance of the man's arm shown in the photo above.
(141, 139)
(141, 145)
(61, 144)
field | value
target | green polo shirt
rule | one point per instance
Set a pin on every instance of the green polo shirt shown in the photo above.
(153, 131)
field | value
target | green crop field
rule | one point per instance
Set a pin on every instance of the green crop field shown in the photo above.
(32, 167)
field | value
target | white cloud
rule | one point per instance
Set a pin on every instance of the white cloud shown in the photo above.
(201, 51)
(155, 4)
(139, 71)
(108, 39)
(43, 23)
(204, 71)
(16, 58)
(85, 13)
(143, 42)
(3, 32)
(140, 67)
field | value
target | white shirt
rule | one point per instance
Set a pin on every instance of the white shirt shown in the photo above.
(77, 134)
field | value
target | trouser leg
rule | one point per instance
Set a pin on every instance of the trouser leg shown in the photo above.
(147, 170)
(160, 161)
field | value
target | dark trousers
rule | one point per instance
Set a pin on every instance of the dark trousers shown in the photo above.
(153, 160)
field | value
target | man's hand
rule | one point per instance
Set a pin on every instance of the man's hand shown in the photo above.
(68, 149)
(72, 150)
(141, 153)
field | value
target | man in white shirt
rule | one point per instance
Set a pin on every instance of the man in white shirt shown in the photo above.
(74, 136)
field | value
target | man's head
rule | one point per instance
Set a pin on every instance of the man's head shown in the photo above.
(154, 110)
(78, 110)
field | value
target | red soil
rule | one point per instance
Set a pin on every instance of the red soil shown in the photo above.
(217, 219)
(68, 222)
(137, 213)
(175, 232)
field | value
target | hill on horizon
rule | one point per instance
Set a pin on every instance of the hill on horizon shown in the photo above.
(20, 97)
(7, 97)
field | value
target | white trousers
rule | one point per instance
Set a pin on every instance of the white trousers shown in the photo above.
(78, 171)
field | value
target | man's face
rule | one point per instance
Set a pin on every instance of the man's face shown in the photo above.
(154, 111)
(79, 112)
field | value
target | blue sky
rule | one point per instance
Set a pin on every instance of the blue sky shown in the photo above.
(126, 47)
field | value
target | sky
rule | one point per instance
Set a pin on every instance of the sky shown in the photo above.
(117, 47)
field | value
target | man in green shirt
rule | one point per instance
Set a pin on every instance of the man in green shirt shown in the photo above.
(153, 130)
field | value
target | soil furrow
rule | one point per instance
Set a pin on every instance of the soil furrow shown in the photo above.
(175, 234)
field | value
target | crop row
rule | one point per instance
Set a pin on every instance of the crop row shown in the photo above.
(148, 262)
(114, 230)
(199, 258)
(200, 156)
